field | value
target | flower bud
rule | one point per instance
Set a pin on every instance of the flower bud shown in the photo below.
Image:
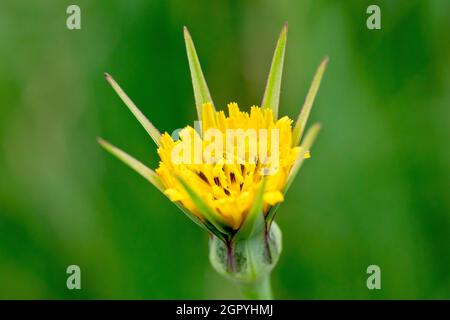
(247, 261)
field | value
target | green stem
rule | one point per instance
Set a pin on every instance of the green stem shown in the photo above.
(260, 290)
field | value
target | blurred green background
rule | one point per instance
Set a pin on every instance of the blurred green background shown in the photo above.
(375, 192)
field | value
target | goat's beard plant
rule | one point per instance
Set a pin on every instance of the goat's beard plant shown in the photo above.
(232, 193)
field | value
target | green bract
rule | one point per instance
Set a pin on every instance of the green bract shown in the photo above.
(248, 262)
(247, 249)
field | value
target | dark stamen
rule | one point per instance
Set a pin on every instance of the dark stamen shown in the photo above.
(202, 176)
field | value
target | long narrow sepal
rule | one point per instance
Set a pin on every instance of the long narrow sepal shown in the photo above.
(254, 222)
(207, 212)
(201, 91)
(307, 105)
(152, 177)
(305, 147)
(271, 96)
(148, 126)
(134, 164)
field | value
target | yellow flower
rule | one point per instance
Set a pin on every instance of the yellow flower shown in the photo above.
(235, 190)
(229, 187)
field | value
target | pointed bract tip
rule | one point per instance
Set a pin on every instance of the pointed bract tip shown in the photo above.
(101, 141)
(106, 75)
(325, 60)
(316, 127)
(285, 26)
(186, 31)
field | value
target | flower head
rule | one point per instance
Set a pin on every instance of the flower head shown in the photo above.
(230, 174)
(229, 183)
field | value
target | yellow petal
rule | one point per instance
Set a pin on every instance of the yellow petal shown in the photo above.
(273, 197)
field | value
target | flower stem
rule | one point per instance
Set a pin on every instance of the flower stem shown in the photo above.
(260, 290)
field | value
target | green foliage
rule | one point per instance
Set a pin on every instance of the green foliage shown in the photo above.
(375, 190)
